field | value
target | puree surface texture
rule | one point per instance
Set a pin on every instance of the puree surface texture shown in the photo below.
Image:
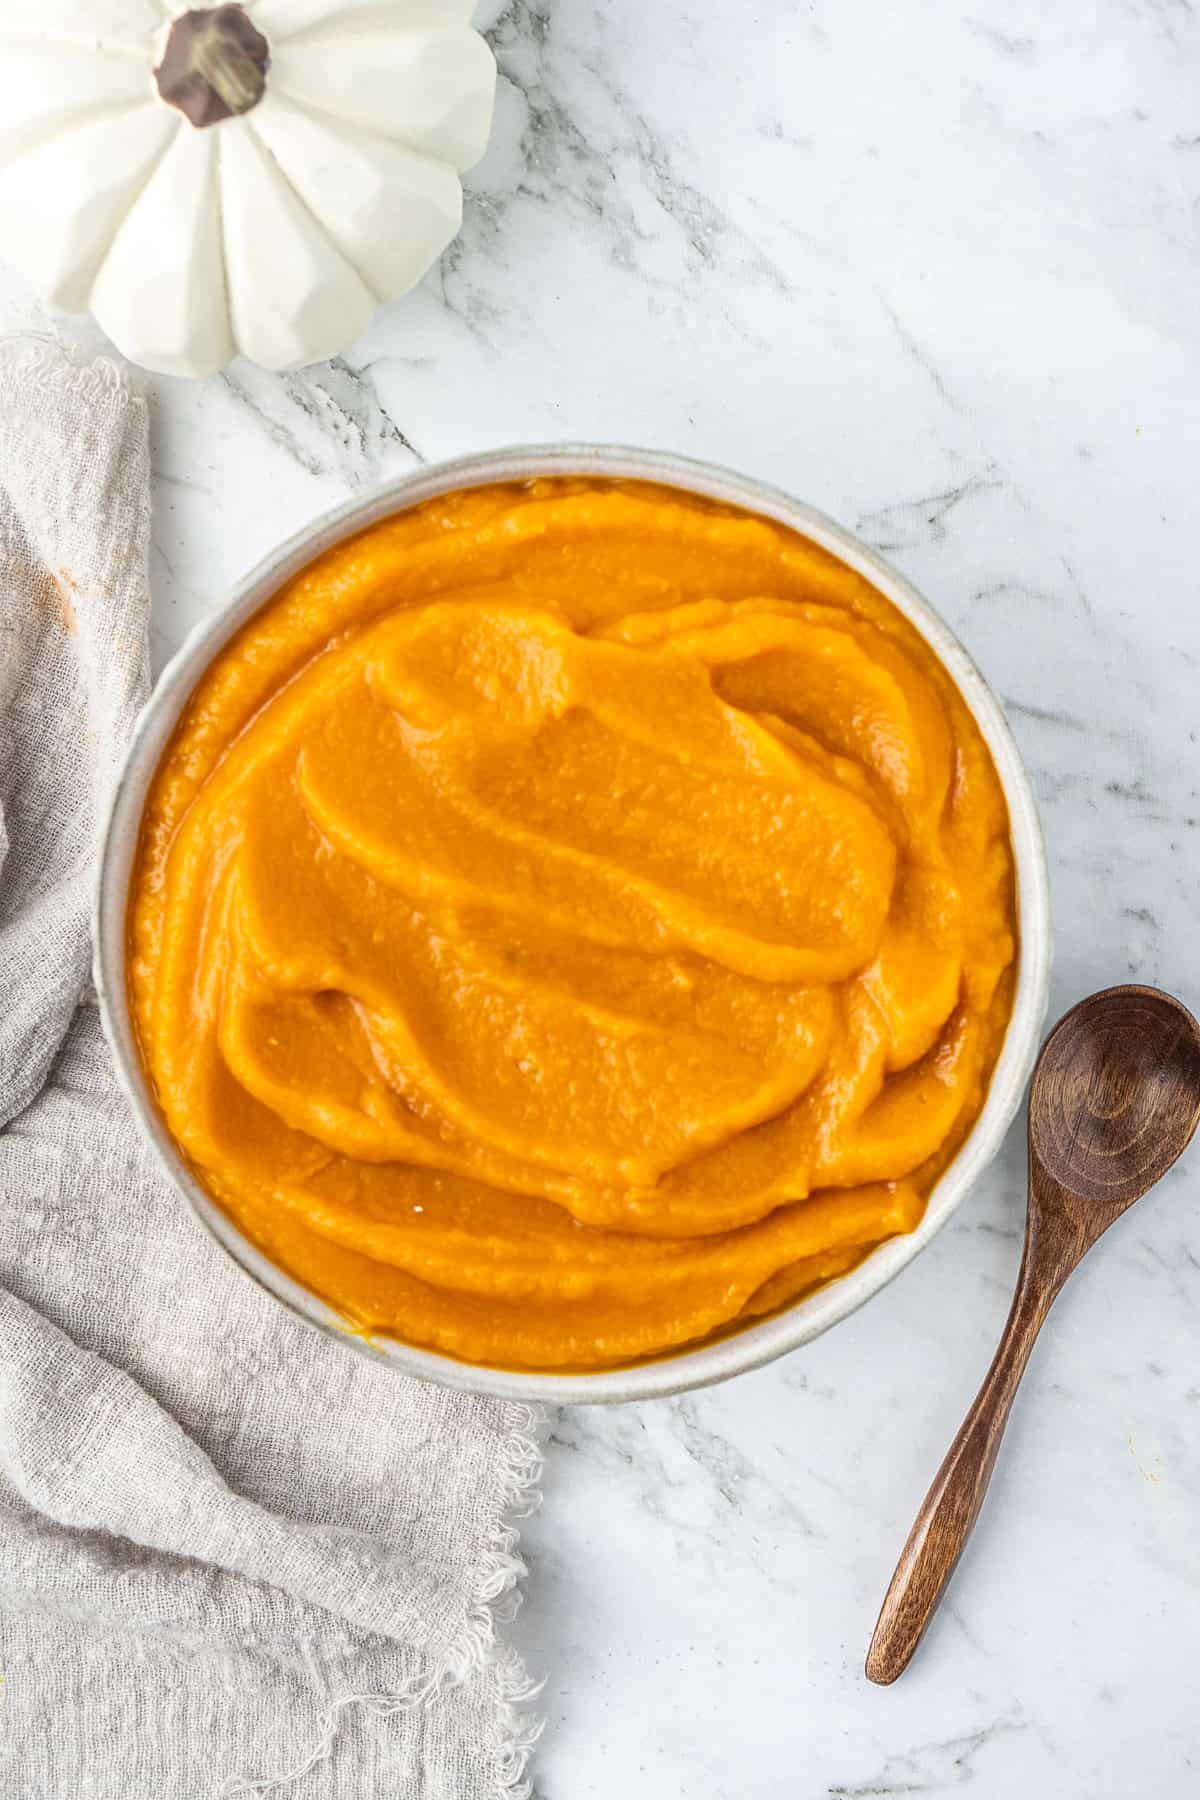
(572, 919)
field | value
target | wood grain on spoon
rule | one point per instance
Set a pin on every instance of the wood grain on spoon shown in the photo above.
(1114, 1101)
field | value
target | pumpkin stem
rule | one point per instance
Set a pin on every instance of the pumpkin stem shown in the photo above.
(214, 64)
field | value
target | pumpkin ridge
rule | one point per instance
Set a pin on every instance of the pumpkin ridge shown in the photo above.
(35, 137)
(289, 81)
(218, 180)
(259, 148)
(275, 163)
(68, 40)
(134, 198)
(321, 115)
(370, 15)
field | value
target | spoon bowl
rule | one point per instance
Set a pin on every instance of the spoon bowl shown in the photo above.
(1116, 1095)
(1115, 1100)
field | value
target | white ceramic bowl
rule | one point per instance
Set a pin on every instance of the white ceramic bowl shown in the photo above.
(808, 1317)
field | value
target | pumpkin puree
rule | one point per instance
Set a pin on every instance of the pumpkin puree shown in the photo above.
(572, 919)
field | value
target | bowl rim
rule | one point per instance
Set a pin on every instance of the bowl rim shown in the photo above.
(807, 1318)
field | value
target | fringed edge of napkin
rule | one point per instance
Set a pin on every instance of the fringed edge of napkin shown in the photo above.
(57, 360)
(495, 1600)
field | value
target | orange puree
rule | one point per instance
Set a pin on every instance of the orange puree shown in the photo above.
(571, 920)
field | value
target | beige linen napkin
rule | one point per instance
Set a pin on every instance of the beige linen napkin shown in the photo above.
(233, 1554)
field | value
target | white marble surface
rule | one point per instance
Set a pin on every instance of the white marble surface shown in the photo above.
(935, 270)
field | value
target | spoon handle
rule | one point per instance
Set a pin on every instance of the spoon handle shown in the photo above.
(952, 1504)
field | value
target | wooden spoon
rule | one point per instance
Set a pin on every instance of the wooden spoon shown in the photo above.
(1115, 1099)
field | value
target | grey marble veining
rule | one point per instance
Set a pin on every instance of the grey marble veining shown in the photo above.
(936, 271)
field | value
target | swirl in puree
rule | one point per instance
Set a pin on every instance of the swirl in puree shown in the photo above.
(571, 920)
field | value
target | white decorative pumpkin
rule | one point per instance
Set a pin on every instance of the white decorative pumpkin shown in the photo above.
(251, 177)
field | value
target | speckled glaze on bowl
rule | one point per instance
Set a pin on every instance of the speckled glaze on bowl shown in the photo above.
(807, 1318)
